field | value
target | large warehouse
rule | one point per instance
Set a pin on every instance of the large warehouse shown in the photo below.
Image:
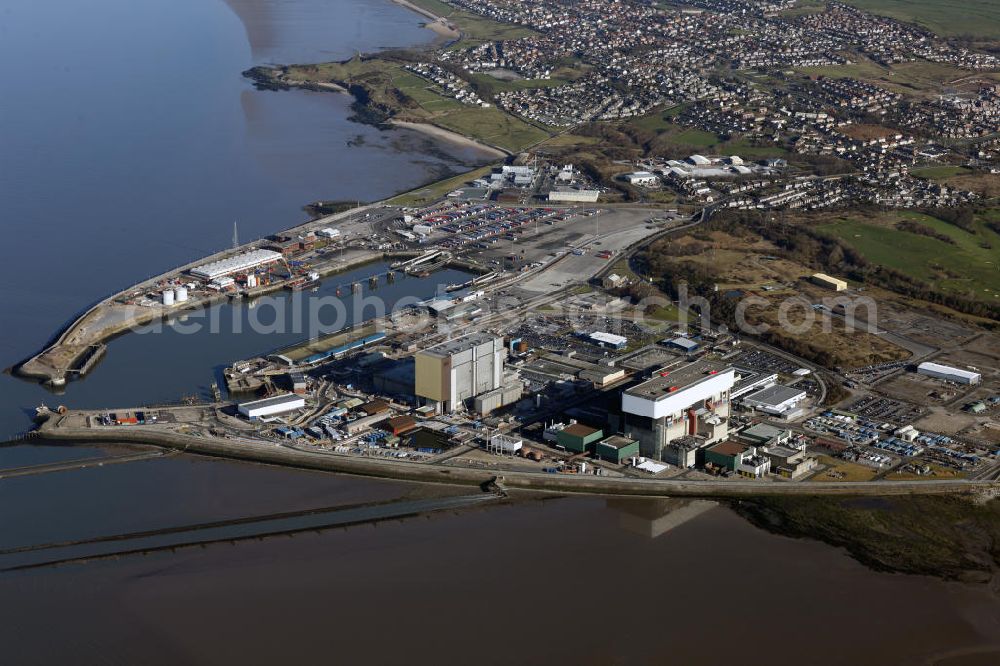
(690, 400)
(458, 370)
(277, 404)
(949, 373)
(603, 339)
(241, 262)
(575, 196)
(778, 400)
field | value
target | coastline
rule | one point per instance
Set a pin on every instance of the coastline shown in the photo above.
(274, 78)
(268, 453)
(426, 13)
(438, 24)
(449, 135)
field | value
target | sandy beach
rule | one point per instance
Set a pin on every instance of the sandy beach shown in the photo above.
(448, 135)
(437, 24)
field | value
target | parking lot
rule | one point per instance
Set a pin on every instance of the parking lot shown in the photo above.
(880, 408)
(757, 359)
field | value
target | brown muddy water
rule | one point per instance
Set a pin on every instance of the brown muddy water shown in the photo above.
(532, 581)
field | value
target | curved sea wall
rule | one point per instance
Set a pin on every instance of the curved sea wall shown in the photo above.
(275, 454)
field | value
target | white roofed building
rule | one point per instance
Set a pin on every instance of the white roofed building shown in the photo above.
(277, 404)
(643, 178)
(603, 339)
(235, 264)
(948, 373)
(777, 400)
(572, 195)
(686, 403)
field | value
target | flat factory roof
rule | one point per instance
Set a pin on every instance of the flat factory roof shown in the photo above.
(783, 452)
(283, 399)
(775, 395)
(683, 343)
(728, 448)
(761, 432)
(239, 262)
(617, 442)
(579, 430)
(928, 366)
(670, 380)
(457, 345)
(609, 338)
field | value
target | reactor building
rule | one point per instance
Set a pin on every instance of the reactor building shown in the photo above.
(679, 411)
(453, 372)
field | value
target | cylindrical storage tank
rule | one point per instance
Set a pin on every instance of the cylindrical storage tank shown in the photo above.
(181, 294)
(168, 296)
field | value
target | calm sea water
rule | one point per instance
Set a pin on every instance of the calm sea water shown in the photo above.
(582, 581)
(129, 143)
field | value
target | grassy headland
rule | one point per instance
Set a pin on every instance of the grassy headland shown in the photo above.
(384, 90)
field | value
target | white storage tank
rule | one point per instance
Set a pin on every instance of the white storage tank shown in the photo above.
(181, 294)
(168, 297)
(251, 280)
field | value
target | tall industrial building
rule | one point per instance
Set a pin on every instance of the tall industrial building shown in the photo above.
(680, 410)
(452, 372)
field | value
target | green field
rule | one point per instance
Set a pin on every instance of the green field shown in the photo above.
(420, 91)
(435, 7)
(978, 18)
(659, 121)
(805, 7)
(940, 172)
(501, 85)
(695, 137)
(435, 191)
(745, 149)
(918, 78)
(570, 139)
(492, 126)
(964, 268)
(859, 69)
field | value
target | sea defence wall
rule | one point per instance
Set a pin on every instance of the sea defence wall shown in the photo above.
(275, 454)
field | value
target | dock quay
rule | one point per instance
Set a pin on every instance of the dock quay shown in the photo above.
(327, 245)
(80, 345)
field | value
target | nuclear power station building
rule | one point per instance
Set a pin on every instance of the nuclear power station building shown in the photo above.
(679, 411)
(453, 372)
